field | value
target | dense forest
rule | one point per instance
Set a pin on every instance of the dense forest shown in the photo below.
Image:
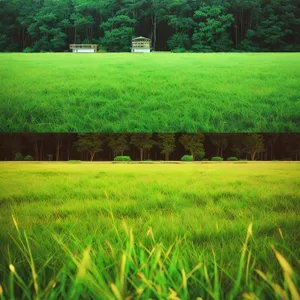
(148, 146)
(176, 25)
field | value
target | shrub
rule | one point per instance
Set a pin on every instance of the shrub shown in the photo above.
(205, 159)
(187, 158)
(74, 161)
(232, 158)
(19, 156)
(122, 158)
(102, 50)
(27, 50)
(199, 156)
(28, 158)
(179, 50)
(216, 158)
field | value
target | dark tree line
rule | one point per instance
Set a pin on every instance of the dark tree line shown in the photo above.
(177, 25)
(144, 146)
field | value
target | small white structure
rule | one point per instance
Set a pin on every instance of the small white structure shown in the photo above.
(84, 48)
(141, 45)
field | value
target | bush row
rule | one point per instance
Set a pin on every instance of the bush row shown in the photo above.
(19, 157)
(183, 158)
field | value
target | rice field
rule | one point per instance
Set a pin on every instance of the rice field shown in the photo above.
(150, 231)
(156, 92)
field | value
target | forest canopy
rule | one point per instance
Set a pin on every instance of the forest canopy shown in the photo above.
(176, 25)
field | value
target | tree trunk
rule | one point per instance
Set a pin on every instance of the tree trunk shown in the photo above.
(154, 32)
(68, 150)
(272, 151)
(192, 153)
(57, 152)
(36, 150)
(92, 155)
(235, 26)
(167, 156)
(253, 155)
(141, 153)
(41, 150)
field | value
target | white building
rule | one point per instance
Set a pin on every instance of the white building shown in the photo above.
(141, 45)
(84, 48)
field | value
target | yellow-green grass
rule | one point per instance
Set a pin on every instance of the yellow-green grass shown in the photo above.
(156, 92)
(188, 222)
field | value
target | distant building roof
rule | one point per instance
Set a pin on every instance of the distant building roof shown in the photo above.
(141, 38)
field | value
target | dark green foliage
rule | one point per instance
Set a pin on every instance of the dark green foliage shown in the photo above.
(118, 33)
(199, 156)
(143, 142)
(27, 50)
(122, 158)
(211, 33)
(232, 158)
(187, 158)
(19, 156)
(193, 143)
(118, 143)
(216, 158)
(28, 158)
(91, 143)
(166, 143)
(179, 26)
(253, 144)
(220, 141)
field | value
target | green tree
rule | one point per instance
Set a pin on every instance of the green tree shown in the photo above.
(180, 19)
(157, 13)
(212, 32)
(181, 25)
(142, 141)
(220, 141)
(118, 143)
(59, 139)
(277, 27)
(118, 32)
(46, 28)
(194, 143)
(89, 142)
(253, 144)
(270, 142)
(166, 143)
(237, 144)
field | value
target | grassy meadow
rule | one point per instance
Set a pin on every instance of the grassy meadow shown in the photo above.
(156, 231)
(157, 92)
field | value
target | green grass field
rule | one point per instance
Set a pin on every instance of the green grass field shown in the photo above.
(122, 231)
(157, 92)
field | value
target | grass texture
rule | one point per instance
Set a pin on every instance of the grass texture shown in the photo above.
(156, 92)
(187, 231)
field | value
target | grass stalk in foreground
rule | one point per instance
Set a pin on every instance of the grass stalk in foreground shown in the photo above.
(134, 270)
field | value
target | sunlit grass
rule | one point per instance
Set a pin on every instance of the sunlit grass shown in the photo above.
(157, 92)
(111, 231)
